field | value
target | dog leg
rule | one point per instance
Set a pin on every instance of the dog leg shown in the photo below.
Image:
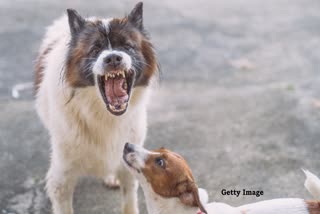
(60, 187)
(129, 188)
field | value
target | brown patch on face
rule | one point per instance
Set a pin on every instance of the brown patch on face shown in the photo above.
(39, 67)
(151, 66)
(170, 176)
(73, 74)
(124, 36)
(84, 49)
(313, 207)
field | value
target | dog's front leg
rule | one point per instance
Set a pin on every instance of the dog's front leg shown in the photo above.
(128, 187)
(60, 187)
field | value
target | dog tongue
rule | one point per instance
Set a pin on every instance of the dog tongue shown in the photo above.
(115, 92)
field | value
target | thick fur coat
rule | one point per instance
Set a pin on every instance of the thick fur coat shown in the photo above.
(88, 124)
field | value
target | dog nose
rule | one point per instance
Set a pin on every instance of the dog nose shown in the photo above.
(113, 59)
(128, 148)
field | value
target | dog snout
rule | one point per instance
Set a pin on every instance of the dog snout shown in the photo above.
(128, 148)
(113, 60)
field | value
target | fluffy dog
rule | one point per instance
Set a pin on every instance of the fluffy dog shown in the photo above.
(92, 78)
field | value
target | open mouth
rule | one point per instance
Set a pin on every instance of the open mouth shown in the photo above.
(115, 88)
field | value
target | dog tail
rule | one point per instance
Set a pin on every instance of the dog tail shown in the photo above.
(312, 184)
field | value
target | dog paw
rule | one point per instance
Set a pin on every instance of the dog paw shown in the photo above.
(112, 182)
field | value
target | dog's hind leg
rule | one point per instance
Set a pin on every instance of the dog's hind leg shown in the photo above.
(129, 188)
(60, 187)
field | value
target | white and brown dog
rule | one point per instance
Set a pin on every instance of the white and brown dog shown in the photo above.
(93, 78)
(170, 188)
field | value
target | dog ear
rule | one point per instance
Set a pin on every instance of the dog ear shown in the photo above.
(76, 22)
(136, 16)
(190, 196)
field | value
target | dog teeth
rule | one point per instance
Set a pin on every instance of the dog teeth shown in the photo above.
(122, 107)
(123, 74)
(112, 107)
(118, 74)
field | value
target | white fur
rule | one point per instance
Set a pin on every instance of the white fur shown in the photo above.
(312, 184)
(98, 66)
(203, 195)
(278, 206)
(85, 138)
(281, 206)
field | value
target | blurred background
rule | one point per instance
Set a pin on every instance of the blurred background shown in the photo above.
(239, 97)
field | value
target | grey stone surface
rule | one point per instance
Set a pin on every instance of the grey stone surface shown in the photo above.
(239, 97)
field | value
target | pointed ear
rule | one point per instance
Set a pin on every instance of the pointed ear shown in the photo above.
(191, 197)
(76, 22)
(136, 16)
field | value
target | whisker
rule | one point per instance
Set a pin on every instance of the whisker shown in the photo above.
(88, 66)
(88, 75)
(143, 62)
(138, 61)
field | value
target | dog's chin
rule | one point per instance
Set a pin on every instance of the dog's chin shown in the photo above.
(130, 166)
(115, 88)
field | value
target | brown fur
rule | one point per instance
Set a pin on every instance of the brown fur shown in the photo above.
(82, 48)
(72, 75)
(313, 207)
(39, 67)
(152, 67)
(174, 180)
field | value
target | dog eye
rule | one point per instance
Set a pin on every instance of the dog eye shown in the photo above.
(160, 162)
(95, 49)
(129, 47)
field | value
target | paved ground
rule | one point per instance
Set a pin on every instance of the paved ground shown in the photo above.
(239, 98)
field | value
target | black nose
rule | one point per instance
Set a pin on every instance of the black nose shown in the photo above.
(128, 148)
(113, 59)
